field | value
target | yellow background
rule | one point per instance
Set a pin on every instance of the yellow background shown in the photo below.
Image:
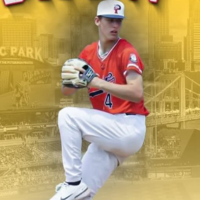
(72, 21)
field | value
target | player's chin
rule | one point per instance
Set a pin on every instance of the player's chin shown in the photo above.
(113, 37)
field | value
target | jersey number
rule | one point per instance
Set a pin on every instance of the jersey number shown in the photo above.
(108, 101)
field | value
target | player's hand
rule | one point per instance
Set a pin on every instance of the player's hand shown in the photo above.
(95, 81)
(79, 69)
(77, 73)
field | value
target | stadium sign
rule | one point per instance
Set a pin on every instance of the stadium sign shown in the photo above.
(26, 52)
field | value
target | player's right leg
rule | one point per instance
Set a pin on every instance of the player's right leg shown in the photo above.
(120, 134)
(97, 166)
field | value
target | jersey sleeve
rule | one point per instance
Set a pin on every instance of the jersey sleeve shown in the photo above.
(131, 61)
(84, 54)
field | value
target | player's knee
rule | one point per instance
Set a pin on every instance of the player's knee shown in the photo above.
(63, 115)
(65, 111)
(136, 147)
(131, 146)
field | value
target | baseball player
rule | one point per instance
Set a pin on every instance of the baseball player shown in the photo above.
(112, 70)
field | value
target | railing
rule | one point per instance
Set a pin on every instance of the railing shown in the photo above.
(154, 118)
(157, 119)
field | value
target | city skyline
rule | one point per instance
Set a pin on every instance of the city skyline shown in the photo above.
(59, 25)
(178, 26)
(70, 29)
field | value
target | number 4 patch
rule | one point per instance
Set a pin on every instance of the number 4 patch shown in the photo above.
(108, 101)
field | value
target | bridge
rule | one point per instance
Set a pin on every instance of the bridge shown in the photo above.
(172, 98)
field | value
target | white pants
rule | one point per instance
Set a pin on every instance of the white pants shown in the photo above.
(113, 138)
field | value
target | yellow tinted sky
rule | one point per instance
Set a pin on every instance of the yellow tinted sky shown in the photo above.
(51, 17)
(178, 13)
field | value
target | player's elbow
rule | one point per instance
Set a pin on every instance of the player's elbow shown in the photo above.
(135, 87)
(137, 95)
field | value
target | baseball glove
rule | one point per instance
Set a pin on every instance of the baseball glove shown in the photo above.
(72, 77)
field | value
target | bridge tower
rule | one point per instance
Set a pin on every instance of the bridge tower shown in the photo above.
(182, 100)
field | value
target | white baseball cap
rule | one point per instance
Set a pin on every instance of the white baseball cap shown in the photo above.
(111, 9)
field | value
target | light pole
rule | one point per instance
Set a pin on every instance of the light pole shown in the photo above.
(155, 114)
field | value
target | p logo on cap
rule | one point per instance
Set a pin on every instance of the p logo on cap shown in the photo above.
(111, 9)
(116, 8)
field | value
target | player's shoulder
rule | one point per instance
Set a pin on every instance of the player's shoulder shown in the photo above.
(91, 47)
(126, 47)
(123, 43)
(88, 51)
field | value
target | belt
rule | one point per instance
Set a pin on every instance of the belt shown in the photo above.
(130, 114)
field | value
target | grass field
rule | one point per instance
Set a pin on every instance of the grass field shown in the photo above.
(140, 190)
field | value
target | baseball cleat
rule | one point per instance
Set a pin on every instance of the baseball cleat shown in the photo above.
(71, 192)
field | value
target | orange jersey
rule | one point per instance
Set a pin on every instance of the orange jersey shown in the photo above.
(121, 58)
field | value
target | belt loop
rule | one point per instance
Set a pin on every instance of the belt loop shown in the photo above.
(130, 114)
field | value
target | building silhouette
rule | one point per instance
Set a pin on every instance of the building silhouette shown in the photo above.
(192, 40)
(158, 26)
(18, 31)
(168, 54)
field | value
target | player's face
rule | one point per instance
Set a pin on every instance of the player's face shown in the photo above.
(109, 28)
